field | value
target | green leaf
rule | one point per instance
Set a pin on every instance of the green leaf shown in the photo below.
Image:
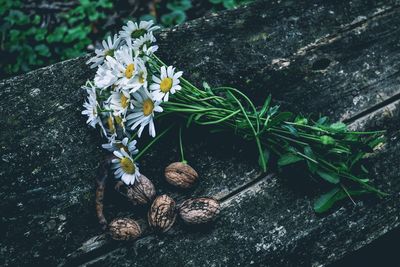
(273, 110)
(215, 2)
(78, 33)
(42, 50)
(36, 20)
(40, 34)
(17, 17)
(57, 35)
(322, 120)
(329, 176)
(309, 153)
(173, 18)
(280, 117)
(291, 129)
(265, 107)
(229, 4)
(326, 201)
(327, 140)
(287, 159)
(301, 120)
(313, 167)
(338, 127)
(179, 5)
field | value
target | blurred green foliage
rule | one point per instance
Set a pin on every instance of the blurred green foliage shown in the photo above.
(177, 9)
(29, 40)
(229, 4)
(35, 36)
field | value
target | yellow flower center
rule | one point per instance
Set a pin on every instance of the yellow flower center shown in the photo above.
(141, 77)
(129, 71)
(110, 123)
(127, 165)
(148, 107)
(124, 101)
(166, 85)
(118, 120)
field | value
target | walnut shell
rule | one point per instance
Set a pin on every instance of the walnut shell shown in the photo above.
(124, 229)
(199, 210)
(162, 214)
(141, 192)
(181, 175)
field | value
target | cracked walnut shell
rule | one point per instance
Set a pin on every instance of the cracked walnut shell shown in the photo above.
(181, 175)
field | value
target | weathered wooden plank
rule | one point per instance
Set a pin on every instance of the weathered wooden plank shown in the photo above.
(338, 41)
(343, 39)
(339, 54)
(48, 190)
(271, 224)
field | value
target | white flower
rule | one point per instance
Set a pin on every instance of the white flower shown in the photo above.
(128, 146)
(143, 45)
(120, 102)
(140, 79)
(125, 168)
(132, 30)
(92, 107)
(108, 49)
(125, 69)
(143, 112)
(106, 76)
(166, 84)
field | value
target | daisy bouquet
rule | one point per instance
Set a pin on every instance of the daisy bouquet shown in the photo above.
(133, 90)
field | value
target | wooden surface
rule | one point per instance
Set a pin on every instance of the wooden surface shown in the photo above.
(315, 57)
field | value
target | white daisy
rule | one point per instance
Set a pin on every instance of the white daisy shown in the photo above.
(143, 112)
(132, 30)
(125, 144)
(125, 168)
(140, 79)
(92, 107)
(120, 102)
(166, 84)
(125, 69)
(143, 45)
(109, 47)
(106, 75)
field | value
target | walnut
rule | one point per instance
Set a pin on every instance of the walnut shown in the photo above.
(181, 175)
(124, 229)
(199, 210)
(141, 192)
(161, 215)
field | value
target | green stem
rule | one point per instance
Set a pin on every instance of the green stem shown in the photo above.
(220, 120)
(181, 145)
(137, 157)
(260, 150)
